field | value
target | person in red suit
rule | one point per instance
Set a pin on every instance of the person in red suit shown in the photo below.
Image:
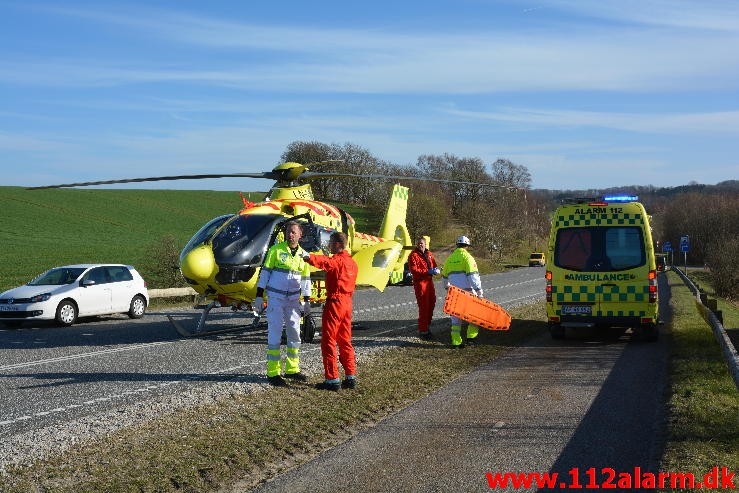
(336, 323)
(423, 267)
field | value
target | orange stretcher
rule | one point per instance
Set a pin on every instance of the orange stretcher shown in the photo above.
(479, 311)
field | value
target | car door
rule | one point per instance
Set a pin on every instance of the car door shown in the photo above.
(94, 294)
(121, 288)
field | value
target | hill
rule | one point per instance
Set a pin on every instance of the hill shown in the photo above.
(645, 193)
(46, 228)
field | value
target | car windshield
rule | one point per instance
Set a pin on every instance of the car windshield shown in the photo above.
(536, 256)
(600, 249)
(244, 239)
(58, 276)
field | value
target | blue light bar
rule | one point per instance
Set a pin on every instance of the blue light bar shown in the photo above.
(621, 198)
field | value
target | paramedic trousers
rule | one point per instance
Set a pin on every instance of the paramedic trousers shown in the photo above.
(336, 329)
(288, 312)
(456, 330)
(426, 298)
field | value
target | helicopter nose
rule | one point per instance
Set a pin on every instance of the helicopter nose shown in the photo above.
(199, 264)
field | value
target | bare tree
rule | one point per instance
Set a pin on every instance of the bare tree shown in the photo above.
(509, 174)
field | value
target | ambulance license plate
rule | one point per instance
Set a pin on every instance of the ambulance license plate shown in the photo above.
(577, 310)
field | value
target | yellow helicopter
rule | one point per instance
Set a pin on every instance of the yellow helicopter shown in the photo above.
(222, 260)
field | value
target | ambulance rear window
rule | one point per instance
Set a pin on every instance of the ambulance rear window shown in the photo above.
(600, 248)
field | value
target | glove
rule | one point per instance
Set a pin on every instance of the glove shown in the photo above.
(478, 293)
(431, 272)
(306, 257)
(258, 305)
(436, 271)
(306, 308)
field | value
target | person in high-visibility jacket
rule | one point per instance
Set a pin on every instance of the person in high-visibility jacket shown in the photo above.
(285, 276)
(460, 270)
(423, 267)
(336, 323)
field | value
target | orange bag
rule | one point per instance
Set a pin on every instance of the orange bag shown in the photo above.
(479, 311)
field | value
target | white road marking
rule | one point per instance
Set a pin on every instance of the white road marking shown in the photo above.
(147, 388)
(83, 355)
(227, 371)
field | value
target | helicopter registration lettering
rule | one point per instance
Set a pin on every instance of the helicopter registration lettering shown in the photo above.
(303, 193)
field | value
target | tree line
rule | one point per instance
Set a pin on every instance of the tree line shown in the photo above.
(499, 212)
(511, 217)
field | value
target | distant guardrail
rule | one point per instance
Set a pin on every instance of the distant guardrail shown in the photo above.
(719, 332)
(171, 292)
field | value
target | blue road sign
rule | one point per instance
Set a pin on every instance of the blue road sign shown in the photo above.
(667, 246)
(684, 244)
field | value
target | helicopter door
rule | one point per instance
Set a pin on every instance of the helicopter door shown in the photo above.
(376, 262)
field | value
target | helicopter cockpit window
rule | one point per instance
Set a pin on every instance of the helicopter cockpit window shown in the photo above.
(315, 238)
(324, 237)
(204, 233)
(243, 239)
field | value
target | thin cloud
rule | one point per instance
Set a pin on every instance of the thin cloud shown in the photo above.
(722, 122)
(718, 15)
(614, 57)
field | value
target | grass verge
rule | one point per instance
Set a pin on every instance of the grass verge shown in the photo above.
(704, 402)
(249, 438)
(729, 308)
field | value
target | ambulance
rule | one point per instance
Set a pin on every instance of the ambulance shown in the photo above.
(601, 271)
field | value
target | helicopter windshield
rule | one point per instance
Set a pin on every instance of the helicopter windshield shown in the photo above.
(204, 233)
(244, 239)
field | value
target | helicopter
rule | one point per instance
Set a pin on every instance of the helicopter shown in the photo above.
(221, 262)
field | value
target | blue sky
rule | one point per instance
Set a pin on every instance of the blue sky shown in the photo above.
(585, 94)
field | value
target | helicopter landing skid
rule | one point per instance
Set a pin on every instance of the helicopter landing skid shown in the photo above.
(199, 332)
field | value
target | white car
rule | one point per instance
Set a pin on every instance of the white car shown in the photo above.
(65, 293)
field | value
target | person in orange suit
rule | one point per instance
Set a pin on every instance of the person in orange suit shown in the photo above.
(423, 267)
(336, 323)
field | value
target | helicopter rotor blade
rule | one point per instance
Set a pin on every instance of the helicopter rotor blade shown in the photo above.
(283, 177)
(269, 175)
(317, 175)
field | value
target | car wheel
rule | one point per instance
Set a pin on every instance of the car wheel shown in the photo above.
(138, 307)
(66, 313)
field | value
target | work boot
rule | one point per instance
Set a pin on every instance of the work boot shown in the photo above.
(299, 376)
(277, 381)
(425, 335)
(349, 383)
(472, 342)
(332, 386)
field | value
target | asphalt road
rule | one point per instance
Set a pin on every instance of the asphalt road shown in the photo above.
(549, 406)
(50, 375)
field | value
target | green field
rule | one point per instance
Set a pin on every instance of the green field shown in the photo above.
(46, 228)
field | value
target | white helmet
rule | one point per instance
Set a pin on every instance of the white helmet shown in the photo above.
(463, 240)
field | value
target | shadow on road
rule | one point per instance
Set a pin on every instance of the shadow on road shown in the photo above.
(625, 426)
